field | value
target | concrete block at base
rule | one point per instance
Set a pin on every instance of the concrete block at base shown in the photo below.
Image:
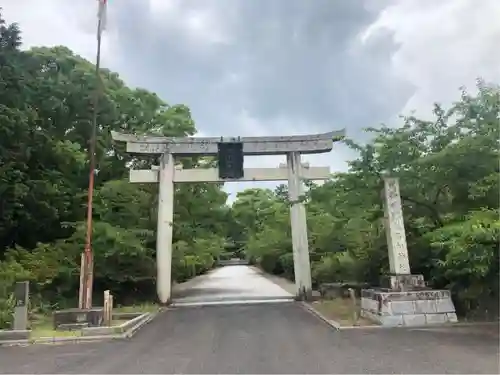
(391, 320)
(126, 315)
(425, 306)
(445, 305)
(14, 335)
(436, 318)
(97, 331)
(93, 317)
(408, 308)
(452, 317)
(414, 320)
(402, 307)
(115, 330)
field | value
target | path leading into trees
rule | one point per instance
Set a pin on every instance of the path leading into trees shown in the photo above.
(230, 284)
(258, 338)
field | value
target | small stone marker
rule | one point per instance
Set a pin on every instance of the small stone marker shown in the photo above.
(21, 295)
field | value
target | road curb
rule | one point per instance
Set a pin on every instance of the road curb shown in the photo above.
(331, 323)
(130, 332)
(425, 326)
(133, 330)
(337, 326)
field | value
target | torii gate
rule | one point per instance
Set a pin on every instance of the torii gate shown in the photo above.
(168, 173)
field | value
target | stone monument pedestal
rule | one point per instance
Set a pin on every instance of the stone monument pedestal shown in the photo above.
(406, 301)
(77, 318)
(403, 299)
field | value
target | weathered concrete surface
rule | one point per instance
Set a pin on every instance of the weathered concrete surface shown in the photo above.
(229, 284)
(8, 334)
(267, 338)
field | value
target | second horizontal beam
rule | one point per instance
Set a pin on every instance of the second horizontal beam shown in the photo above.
(212, 175)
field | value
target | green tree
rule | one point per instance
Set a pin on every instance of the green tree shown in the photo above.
(46, 106)
(449, 177)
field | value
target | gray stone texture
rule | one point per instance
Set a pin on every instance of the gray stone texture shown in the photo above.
(436, 318)
(7, 335)
(412, 320)
(452, 317)
(445, 305)
(93, 317)
(403, 282)
(401, 307)
(408, 308)
(425, 306)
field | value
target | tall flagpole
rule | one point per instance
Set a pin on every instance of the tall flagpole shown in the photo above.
(87, 261)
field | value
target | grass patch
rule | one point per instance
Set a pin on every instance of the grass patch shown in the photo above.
(142, 308)
(42, 326)
(341, 310)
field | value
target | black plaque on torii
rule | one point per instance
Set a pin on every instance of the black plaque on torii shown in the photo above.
(230, 160)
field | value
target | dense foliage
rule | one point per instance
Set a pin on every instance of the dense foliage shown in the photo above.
(449, 177)
(45, 124)
(449, 182)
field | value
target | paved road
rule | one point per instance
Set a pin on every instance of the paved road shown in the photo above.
(260, 338)
(230, 284)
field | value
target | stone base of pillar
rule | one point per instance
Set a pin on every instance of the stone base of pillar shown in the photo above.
(407, 303)
(304, 295)
(403, 283)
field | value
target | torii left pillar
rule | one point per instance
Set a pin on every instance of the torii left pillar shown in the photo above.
(165, 228)
(300, 244)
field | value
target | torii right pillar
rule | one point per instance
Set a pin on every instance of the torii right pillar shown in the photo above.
(301, 261)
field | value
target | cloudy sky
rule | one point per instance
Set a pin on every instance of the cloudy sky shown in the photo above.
(276, 67)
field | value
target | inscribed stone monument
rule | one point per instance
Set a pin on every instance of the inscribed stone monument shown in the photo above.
(403, 299)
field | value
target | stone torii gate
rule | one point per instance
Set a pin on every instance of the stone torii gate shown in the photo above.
(167, 173)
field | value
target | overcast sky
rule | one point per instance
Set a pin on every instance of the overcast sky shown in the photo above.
(282, 67)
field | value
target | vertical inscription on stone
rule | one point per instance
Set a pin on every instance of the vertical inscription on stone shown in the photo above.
(396, 236)
(21, 295)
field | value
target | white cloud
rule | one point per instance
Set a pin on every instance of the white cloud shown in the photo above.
(199, 24)
(442, 45)
(61, 22)
(74, 24)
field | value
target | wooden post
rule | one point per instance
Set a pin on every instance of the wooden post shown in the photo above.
(81, 294)
(107, 308)
(352, 295)
(110, 309)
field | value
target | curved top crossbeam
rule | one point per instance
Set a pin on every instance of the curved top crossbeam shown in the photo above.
(273, 145)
